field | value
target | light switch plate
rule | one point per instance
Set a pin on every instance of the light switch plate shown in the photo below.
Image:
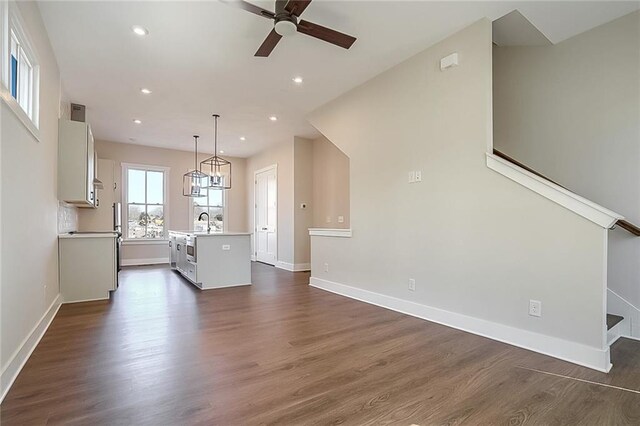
(418, 176)
(226, 247)
(340, 219)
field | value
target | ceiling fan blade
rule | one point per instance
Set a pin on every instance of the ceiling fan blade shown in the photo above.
(325, 34)
(244, 5)
(296, 7)
(268, 44)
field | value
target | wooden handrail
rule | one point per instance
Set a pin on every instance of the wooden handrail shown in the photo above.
(627, 226)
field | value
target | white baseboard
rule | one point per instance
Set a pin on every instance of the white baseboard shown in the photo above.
(22, 354)
(139, 262)
(577, 353)
(618, 305)
(253, 257)
(297, 267)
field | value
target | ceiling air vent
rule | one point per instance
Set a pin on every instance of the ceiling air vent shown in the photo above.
(78, 112)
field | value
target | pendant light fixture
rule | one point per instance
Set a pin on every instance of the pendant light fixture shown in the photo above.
(195, 181)
(217, 168)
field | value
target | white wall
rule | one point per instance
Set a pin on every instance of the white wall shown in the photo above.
(330, 185)
(478, 245)
(302, 194)
(572, 112)
(29, 206)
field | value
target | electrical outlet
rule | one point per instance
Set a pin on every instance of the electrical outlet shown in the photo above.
(535, 308)
(226, 247)
(412, 284)
(326, 267)
(340, 219)
(328, 219)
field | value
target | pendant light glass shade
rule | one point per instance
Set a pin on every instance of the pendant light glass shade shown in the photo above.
(195, 182)
(217, 168)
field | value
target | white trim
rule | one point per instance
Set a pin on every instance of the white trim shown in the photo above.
(326, 232)
(603, 288)
(253, 258)
(577, 204)
(21, 355)
(255, 209)
(577, 353)
(17, 110)
(618, 305)
(293, 267)
(150, 261)
(125, 202)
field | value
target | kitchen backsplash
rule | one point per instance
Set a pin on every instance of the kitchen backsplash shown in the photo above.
(67, 218)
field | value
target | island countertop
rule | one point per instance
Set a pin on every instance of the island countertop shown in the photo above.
(211, 234)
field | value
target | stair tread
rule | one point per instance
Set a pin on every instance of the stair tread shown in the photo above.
(612, 320)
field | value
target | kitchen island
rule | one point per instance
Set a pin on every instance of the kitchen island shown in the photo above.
(212, 260)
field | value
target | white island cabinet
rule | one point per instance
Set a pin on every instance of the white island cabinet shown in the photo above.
(212, 260)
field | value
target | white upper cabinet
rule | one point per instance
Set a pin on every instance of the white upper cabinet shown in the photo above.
(76, 164)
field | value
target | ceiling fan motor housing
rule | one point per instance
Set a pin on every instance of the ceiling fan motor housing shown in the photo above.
(286, 25)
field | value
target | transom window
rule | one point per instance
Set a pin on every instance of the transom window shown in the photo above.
(21, 76)
(213, 204)
(20, 71)
(145, 202)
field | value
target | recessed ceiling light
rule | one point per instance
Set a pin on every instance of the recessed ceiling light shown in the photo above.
(137, 121)
(221, 152)
(145, 91)
(273, 118)
(141, 31)
(297, 80)
(242, 138)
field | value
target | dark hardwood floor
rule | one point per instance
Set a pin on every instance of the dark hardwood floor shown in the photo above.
(281, 352)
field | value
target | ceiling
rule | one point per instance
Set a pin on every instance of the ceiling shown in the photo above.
(198, 60)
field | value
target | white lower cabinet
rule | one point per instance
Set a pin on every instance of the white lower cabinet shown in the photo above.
(178, 258)
(87, 266)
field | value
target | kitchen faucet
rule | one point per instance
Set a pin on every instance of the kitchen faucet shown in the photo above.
(208, 222)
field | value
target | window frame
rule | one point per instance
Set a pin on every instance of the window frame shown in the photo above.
(27, 111)
(192, 208)
(125, 203)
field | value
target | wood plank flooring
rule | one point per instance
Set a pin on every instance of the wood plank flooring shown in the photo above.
(280, 352)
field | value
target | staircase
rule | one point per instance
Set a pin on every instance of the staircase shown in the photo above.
(616, 324)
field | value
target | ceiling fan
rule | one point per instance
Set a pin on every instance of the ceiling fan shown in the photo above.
(286, 23)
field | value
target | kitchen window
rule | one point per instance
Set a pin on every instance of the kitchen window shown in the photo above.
(146, 206)
(213, 204)
(20, 71)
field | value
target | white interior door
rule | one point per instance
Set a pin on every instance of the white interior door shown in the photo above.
(266, 233)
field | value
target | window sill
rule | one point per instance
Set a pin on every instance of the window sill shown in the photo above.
(142, 242)
(17, 110)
